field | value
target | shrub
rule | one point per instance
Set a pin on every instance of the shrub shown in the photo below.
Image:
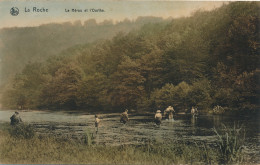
(176, 96)
(22, 131)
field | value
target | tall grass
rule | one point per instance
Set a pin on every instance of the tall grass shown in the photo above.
(53, 150)
(230, 142)
(22, 131)
(89, 138)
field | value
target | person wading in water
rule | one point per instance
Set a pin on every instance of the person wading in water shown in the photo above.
(124, 117)
(194, 111)
(97, 121)
(169, 113)
(158, 118)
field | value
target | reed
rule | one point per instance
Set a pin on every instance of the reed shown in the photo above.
(89, 138)
(230, 142)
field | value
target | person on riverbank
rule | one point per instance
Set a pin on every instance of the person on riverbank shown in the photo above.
(97, 121)
(124, 117)
(158, 117)
(15, 119)
(168, 113)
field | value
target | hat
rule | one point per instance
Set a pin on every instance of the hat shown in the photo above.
(158, 111)
(16, 112)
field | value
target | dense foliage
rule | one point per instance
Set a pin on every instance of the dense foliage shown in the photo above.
(208, 59)
(18, 46)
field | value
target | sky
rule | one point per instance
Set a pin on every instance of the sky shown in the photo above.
(113, 10)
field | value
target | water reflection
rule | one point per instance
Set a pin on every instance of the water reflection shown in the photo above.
(217, 120)
(193, 124)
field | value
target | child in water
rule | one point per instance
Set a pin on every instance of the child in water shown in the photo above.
(97, 121)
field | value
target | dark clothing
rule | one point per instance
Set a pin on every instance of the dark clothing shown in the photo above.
(158, 118)
(157, 121)
(124, 117)
(15, 119)
(194, 111)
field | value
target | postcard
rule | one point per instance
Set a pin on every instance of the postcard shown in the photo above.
(129, 82)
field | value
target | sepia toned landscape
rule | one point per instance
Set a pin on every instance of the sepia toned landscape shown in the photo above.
(67, 85)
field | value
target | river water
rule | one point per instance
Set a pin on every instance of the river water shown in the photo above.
(139, 129)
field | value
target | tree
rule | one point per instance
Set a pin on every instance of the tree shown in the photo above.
(201, 94)
(61, 91)
(151, 66)
(126, 85)
(92, 92)
(26, 87)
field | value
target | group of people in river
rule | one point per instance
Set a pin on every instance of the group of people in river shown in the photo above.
(168, 113)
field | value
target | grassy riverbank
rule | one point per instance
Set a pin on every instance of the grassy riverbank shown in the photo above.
(27, 147)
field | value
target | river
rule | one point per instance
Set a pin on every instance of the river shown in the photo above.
(140, 128)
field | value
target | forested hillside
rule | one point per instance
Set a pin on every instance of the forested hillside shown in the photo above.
(208, 59)
(18, 46)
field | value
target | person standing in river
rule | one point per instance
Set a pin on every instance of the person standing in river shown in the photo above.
(194, 111)
(158, 118)
(15, 119)
(124, 117)
(169, 113)
(97, 121)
